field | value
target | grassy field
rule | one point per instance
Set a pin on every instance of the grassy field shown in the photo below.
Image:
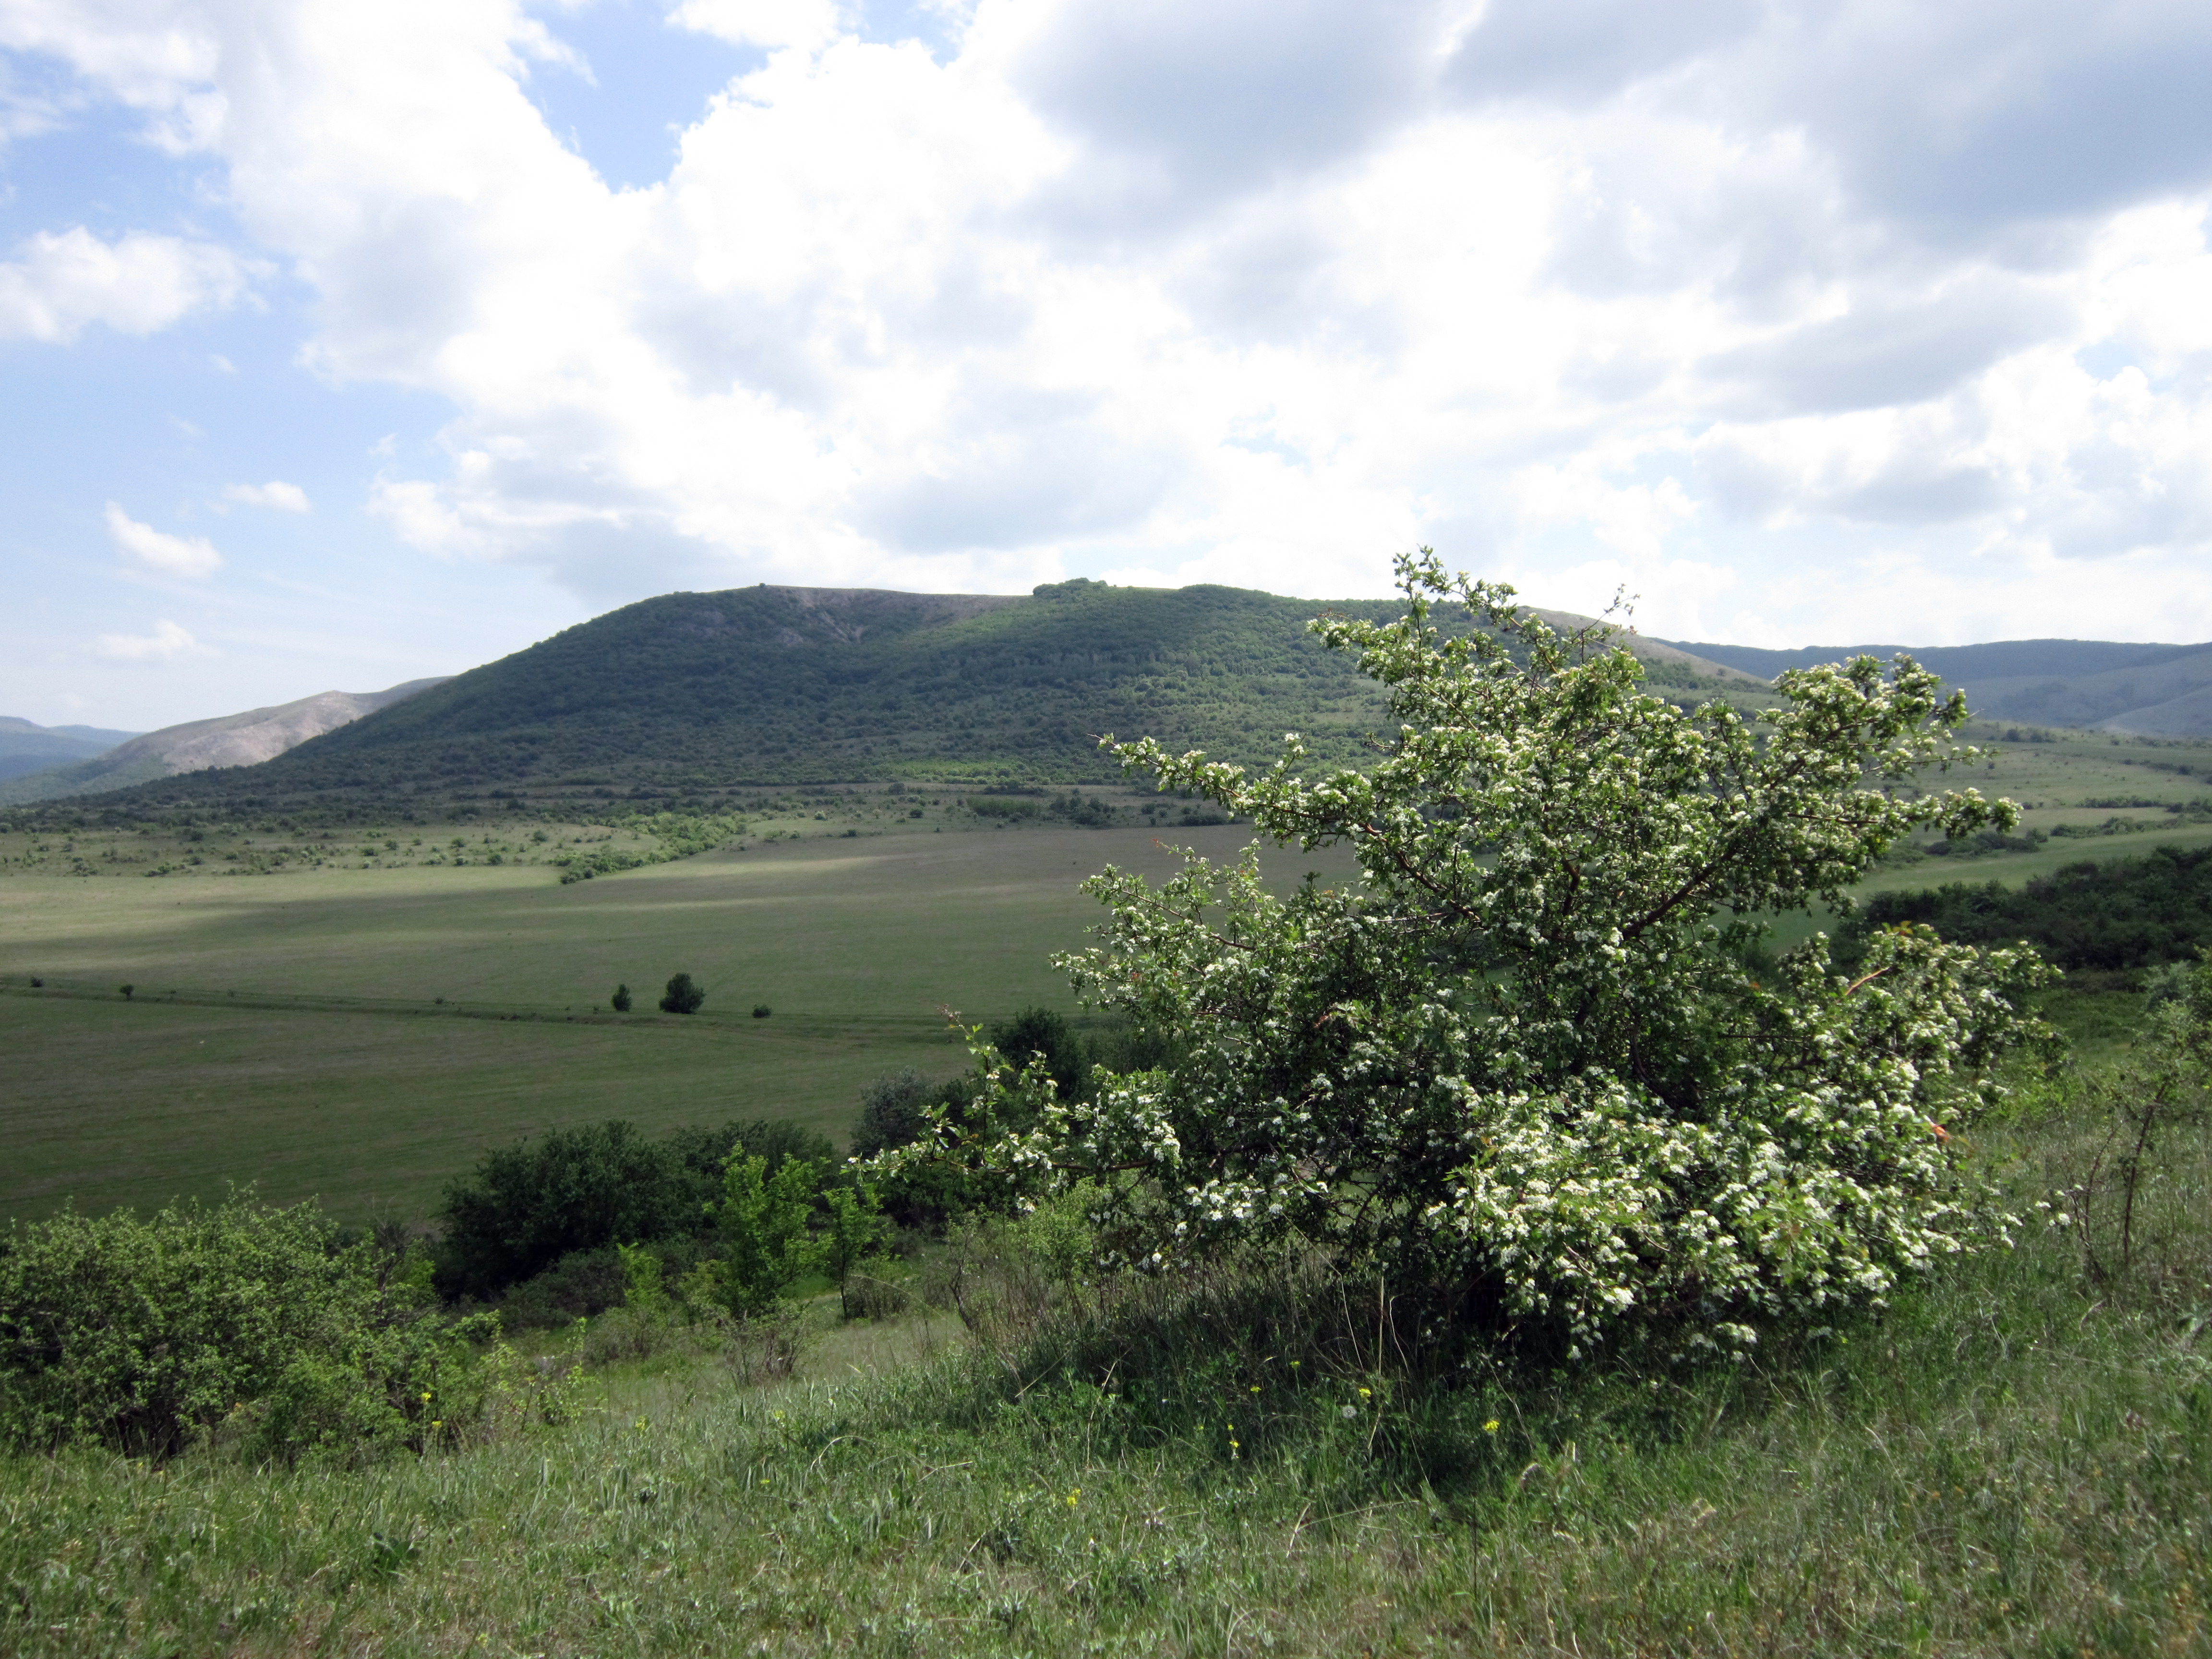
(2011, 1461)
(357, 1014)
(362, 1034)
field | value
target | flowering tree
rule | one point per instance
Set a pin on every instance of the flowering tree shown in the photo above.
(1525, 1065)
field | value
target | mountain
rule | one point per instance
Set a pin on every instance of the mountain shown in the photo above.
(26, 747)
(693, 693)
(229, 740)
(2149, 690)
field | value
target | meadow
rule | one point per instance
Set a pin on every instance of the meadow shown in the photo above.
(357, 1014)
(362, 1033)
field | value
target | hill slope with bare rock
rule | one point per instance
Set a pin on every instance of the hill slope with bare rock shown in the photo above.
(229, 740)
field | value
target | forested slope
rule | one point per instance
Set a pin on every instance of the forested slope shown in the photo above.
(776, 685)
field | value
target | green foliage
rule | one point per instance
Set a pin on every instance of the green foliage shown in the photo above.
(898, 1109)
(763, 1223)
(644, 1292)
(675, 835)
(2120, 1203)
(683, 996)
(144, 1334)
(1086, 812)
(2122, 913)
(580, 1285)
(1521, 1071)
(855, 1231)
(702, 1152)
(892, 1112)
(620, 1001)
(553, 1212)
(1044, 1033)
(526, 1207)
(1984, 844)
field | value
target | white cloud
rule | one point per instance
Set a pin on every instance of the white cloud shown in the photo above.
(171, 555)
(139, 284)
(276, 495)
(164, 644)
(1580, 290)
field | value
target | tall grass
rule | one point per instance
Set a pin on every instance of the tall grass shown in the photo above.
(2013, 1460)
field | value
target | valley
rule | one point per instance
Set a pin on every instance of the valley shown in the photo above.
(362, 1034)
(351, 985)
(357, 1014)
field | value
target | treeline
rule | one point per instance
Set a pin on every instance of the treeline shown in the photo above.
(675, 835)
(2114, 916)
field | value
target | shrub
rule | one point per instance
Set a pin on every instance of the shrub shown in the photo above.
(684, 995)
(2118, 915)
(580, 1285)
(898, 1109)
(2129, 1207)
(891, 1113)
(1045, 1032)
(855, 1229)
(1520, 1072)
(620, 1001)
(702, 1152)
(1079, 809)
(762, 1221)
(526, 1207)
(646, 1321)
(142, 1334)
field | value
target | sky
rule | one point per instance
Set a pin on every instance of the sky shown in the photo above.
(342, 345)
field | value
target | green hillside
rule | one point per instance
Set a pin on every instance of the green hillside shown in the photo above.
(696, 693)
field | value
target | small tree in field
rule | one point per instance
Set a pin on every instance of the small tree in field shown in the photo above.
(856, 1227)
(1522, 1067)
(763, 1221)
(684, 995)
(620, 1001)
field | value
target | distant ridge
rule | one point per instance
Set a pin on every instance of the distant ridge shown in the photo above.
(2147, 690)
(27, 746)
(229, 740)
(690, 694)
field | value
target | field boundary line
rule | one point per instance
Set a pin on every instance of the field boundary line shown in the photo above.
(809, 1026)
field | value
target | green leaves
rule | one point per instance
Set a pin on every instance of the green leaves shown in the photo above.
(242, 1320)
(762, 1220)
(1520, 1067)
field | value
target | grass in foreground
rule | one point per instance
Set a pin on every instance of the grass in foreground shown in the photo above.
(2011, 1461)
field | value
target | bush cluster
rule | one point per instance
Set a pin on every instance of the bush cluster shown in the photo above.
(145, 1334)
(2118, 914)
(672, 836)
(525, 1208)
